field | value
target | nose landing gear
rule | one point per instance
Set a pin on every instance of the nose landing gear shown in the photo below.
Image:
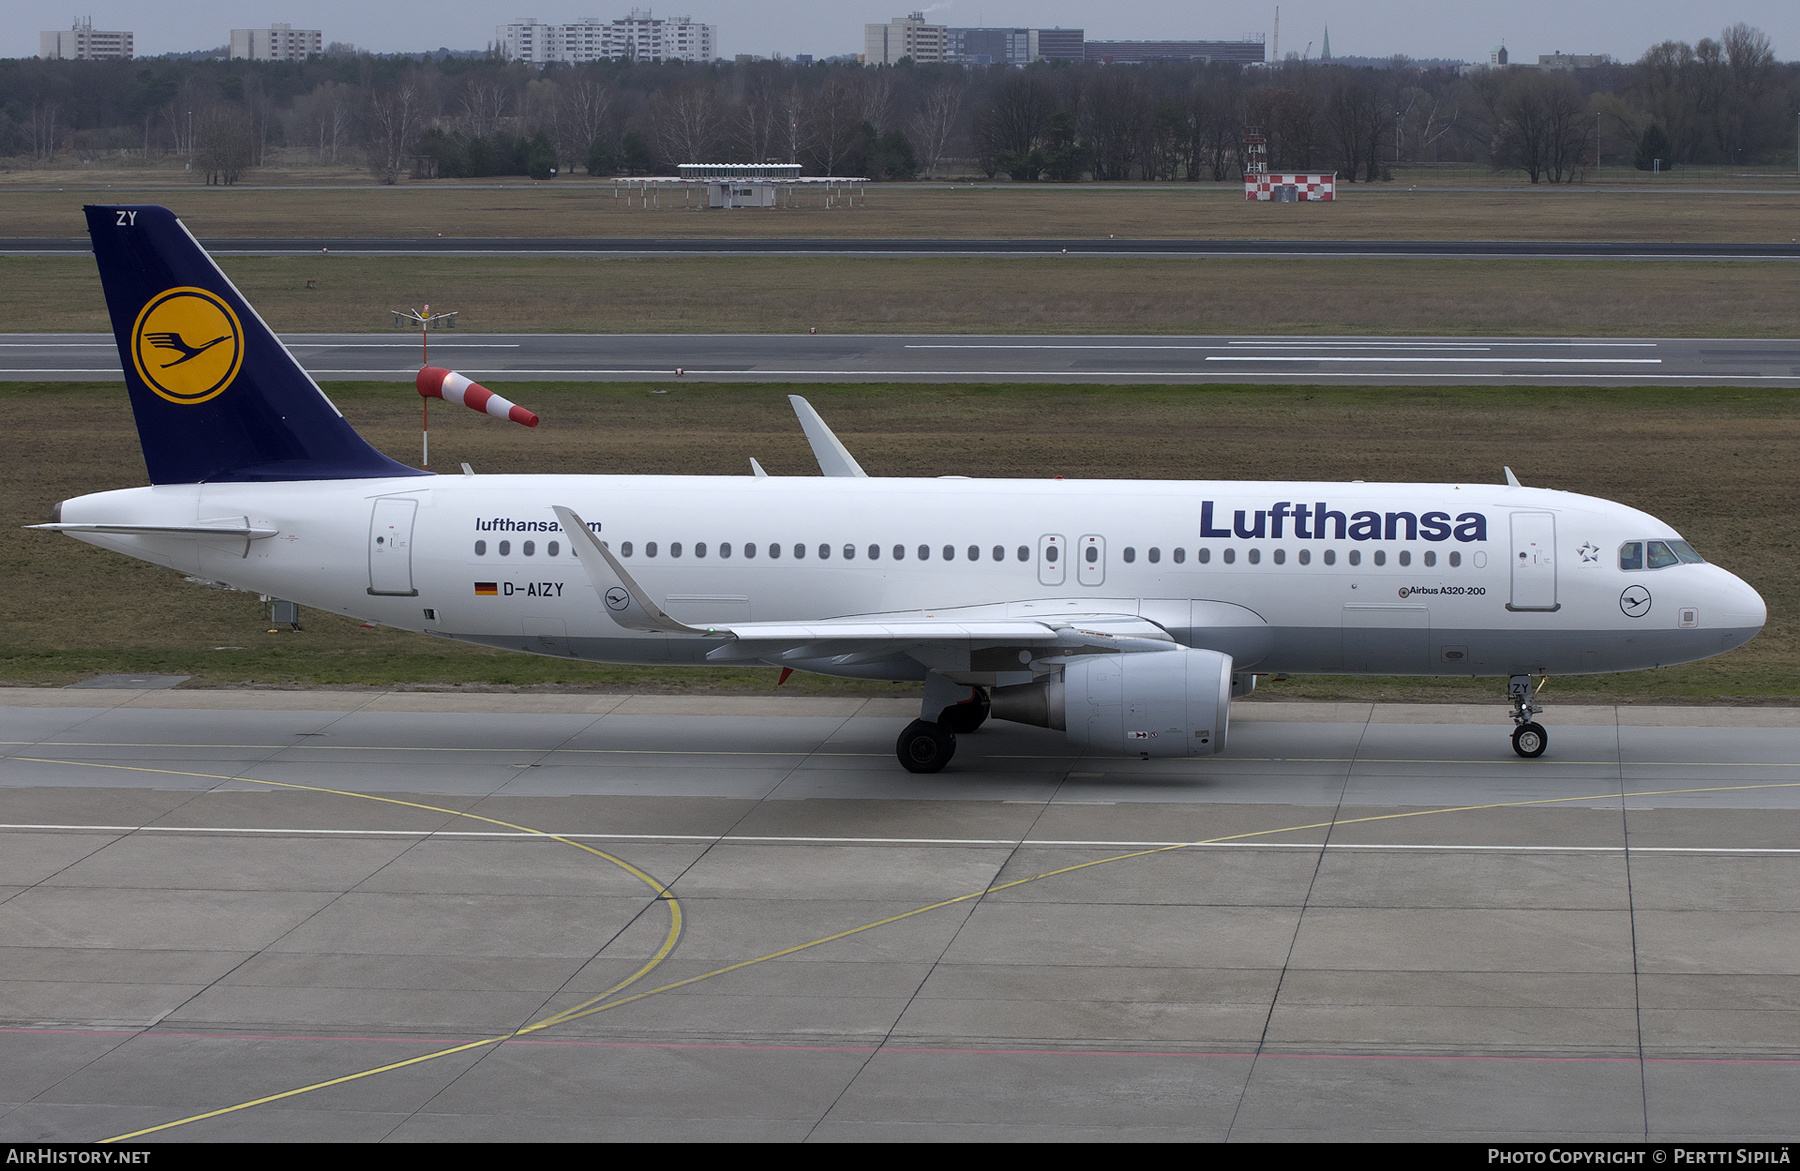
(1529, 737)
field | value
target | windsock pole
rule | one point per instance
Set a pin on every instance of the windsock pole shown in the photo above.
(425, 400)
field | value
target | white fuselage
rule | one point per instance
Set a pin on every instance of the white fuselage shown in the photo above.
(1392, 579)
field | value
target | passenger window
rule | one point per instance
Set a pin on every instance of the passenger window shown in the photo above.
(1000, 553)
(899, 552)
(849, 552)
(1631, 555)
(799, 552)
(625, 549)
(924, 552)
(949, 552)
(1356, 556)
(874, 552)
(1430, 558)
(774, 549)
(699, 548)
(1455, 559)
(528, 548)
(674, 548)
(1405, 557)
(1203, 555)
(1025, 553)
(1306, 556)
(1331, 556)
(749, 549)
(1686, 552)
(1155, 555)
(1093, 554)
(1180, 556)
(1050, 554)
(505, 548)
(1129, 554)
(1230, 556)
(1255, 555)
(1658, 555)
(1380, 556)
(481, 548)
(553, 548)
(1281, 556)
(975, 553)
(725, 548)
(649, 548)
(824, 552)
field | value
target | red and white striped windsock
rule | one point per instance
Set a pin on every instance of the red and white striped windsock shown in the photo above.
(437, 382)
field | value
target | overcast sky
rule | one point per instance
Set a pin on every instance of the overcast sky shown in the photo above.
(1377, 28)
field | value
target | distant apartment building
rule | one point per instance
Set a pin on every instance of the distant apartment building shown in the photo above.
(1566, 62)
(638, 37)
(278, 42)
(905, 36)
(1141, 52)
(83, 42)
(1497, 57)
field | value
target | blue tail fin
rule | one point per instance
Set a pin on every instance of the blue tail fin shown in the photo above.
(216, 395)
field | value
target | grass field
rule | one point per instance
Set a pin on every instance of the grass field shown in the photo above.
(1389, 211)
(970, 295)
(1715, 463)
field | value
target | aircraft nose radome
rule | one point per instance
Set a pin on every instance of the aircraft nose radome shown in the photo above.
(1743, 606)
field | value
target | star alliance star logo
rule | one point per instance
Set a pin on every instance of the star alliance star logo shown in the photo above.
(1590, 552)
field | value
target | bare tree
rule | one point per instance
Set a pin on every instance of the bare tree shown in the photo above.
(225, 143)
(1544, 128)
(43, 130)
(836, 124)
(796, 112)
(1014, 120)
(760, 121)
(1117, 122)
(875, 98)
(484, 103)
(395, 119)
(582, 118)
(686, 123)
(935, 125)
(324, 119)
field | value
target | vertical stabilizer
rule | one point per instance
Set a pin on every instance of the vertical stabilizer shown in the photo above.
(216, 395)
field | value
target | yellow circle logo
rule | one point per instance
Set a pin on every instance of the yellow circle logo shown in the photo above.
(187, 345)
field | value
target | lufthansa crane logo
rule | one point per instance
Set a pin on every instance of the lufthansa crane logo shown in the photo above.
(187, 345)
(617, 598)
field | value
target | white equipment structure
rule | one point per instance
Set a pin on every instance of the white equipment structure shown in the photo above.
(731, 185)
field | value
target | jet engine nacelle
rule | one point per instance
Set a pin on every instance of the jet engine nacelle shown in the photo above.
(1161, 703)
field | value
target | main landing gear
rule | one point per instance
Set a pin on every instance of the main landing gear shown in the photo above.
(1529, 737)
(926, 745)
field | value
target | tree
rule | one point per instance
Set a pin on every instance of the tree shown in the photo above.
(935, 124)
(224, 144)
(836, 126)
(686, 124)
(1543, 128)
(394, 123)
(1653, 151)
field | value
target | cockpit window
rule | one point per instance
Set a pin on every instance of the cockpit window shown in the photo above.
(1631, 555)
(1658, 555)
(1686, 552)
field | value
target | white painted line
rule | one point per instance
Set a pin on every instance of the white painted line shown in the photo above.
(1098, 843)
(1550, 361)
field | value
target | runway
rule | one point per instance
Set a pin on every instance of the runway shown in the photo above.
(1362, 922)
(828, 246)
(988, 358)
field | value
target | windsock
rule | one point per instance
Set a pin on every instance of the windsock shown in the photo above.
(437, 382)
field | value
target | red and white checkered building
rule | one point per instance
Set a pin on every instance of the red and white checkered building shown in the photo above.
(1264, 187)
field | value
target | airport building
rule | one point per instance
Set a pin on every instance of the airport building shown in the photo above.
(637, 37)
(278, 42)
(84, 42)
(1210, 52)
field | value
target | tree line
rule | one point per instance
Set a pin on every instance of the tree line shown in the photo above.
(1723, 101)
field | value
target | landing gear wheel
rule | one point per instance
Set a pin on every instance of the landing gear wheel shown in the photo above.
(925, 747)
(1530, 740)
(964, 718)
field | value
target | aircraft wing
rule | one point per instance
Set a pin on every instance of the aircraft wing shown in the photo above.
(865, 637)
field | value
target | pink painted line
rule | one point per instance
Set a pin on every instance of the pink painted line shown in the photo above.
(917, 1049)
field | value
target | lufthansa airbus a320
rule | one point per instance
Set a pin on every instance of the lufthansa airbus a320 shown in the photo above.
(1126, 613)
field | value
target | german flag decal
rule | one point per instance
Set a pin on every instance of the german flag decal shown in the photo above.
(486, 589)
